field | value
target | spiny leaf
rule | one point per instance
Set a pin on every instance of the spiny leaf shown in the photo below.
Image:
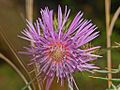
(105, 71)
(113, 79)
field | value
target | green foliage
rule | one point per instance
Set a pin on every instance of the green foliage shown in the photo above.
(113, 87)
(105, 71)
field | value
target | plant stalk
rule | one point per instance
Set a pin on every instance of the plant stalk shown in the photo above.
(29, 16)
(109, 63)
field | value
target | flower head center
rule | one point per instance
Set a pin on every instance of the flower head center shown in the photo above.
(58, 52)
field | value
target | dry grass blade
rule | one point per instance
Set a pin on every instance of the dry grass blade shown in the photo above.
(27, 85)
(14, 53)
(118, 45)
(115, 16)
(16, 69)
(11, 48)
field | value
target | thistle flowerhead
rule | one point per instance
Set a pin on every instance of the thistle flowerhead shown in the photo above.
(58, 50)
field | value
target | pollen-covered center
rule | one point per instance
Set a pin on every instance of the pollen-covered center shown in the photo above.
(58, 52)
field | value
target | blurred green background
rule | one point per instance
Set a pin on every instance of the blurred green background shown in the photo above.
(12, 21)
